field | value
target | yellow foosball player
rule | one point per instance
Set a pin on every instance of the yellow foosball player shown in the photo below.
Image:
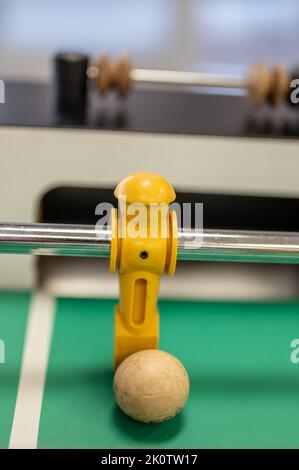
(144, 245)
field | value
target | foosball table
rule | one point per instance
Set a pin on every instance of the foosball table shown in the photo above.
(230, 313)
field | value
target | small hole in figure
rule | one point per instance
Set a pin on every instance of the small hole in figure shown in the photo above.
(143, 255)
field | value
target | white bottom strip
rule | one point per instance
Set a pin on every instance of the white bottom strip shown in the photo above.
(24, 433)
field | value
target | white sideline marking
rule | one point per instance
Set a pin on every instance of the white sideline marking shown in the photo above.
(24, 433)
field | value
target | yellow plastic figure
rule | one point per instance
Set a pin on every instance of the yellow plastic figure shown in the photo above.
(143, 246)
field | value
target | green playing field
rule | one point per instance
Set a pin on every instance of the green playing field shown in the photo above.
(244, 388)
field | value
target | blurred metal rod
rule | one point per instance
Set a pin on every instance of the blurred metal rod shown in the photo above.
(211, 245)
(167, 77)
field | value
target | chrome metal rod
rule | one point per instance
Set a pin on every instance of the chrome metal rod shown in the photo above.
(242, 246)
(61, 240)
(167, 77)
(211, 245)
